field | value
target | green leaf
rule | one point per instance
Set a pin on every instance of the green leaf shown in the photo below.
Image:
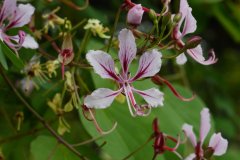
(11, 56)
(46, 147)
(229, 22)
(3, 59)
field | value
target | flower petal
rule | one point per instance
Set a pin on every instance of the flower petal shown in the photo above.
(152, 96)
(102, 63)
(197, 55)
(181, 59)
(205, 124)
(101, 98)
(190, 157)
(188, 130)
(149, 64)
(190, 24)
(219, 144)
(127, 48)
(22, 16)
(29, 42)
(8, 8)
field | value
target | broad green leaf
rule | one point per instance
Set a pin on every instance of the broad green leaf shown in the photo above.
(12, 56)
(46, 147)
(3, 59)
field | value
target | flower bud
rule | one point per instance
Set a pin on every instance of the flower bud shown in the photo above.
(177, 18)
(193, 42)
(152, 15)
(66, 55)
(135, 14)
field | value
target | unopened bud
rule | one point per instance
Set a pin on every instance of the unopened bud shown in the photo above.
(135, 14)
(66, 55)
(177, 17)
(193, 42)
(152, 15)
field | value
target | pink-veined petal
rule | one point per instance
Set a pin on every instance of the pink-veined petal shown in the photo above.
(127, 49)
(149, 64)
(197, 55)
(181, 59)
(205, 124)
(188, 130)
(22, 16)
(218, 144)
(29, 42)
(102, 63)
(190, 157)
(152, 96)
(190, 24)
(183, 9)
(7, 9)
(101, 98)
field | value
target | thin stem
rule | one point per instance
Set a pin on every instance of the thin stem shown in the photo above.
(88, 141)
(138, 149)
(83, 44)
(114, 28)
(184, 77)
(39, 117)
(74, 6)
(78, 25)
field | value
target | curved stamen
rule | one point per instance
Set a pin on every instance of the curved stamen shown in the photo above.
(99, 129)
(128, 102)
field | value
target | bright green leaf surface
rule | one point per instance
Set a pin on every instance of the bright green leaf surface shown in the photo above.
(46, 147)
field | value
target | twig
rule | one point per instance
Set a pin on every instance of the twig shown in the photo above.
(40, 118)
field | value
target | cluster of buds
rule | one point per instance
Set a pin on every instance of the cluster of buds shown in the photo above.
(179, 24)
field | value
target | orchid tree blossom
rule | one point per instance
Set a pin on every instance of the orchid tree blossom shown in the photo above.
(189, 25)
(103, 64)
(217, 146)
(13, 16)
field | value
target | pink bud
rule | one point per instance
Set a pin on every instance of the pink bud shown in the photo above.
(135, 14)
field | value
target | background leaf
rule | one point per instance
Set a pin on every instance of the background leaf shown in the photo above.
(16, 61)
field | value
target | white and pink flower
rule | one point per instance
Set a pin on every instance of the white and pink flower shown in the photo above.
(218, 145)
(103, 64)
(189, 25)
(13, 16)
